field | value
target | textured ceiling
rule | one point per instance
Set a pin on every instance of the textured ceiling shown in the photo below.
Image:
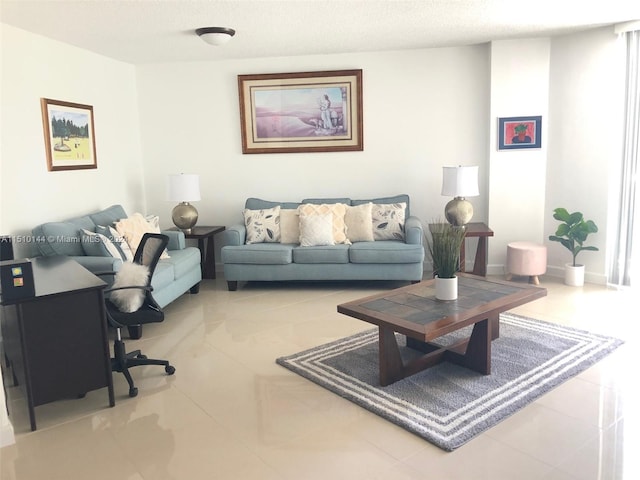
(158, 31)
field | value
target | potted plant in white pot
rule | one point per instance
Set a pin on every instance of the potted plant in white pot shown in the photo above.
(572, 233)
(444, 248)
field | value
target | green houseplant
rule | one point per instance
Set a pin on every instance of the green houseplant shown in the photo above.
(572, 233)
(444, 249)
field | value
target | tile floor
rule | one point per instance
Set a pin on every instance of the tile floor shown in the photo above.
(230, 412)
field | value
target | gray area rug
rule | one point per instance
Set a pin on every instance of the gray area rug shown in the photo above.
(448, 405)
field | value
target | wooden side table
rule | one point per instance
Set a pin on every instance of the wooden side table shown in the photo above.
(482, 232)
(207, 254)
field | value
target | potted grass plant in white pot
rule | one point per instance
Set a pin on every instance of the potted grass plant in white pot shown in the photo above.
(444, 249)
(572, 233)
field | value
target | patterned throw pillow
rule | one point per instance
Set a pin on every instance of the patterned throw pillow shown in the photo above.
(338, 210)
(262, 225)
(359, 223)
(289, 226)
(388, 221)
(118, 240)
(97, 245)
(316, 230)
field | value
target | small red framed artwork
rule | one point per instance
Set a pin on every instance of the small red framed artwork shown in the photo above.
(519, 132)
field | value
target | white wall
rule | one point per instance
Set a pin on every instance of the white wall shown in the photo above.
(585, 118)
(422, 109)
(35, 67)
(519, 87)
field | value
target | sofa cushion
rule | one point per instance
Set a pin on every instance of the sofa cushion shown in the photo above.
(262, 225)
(59, 238)
(259, 204)
(163, 276)
(321, 254)
(183, 260)
(338, 211)
(320, 201)
(359, 223)
(130, 274)
(258, 254)
(385, 252)
(289, 225)
(108, 216)
(388, 221)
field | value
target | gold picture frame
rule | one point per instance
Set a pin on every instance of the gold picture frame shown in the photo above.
(69, 135)
(301, 112)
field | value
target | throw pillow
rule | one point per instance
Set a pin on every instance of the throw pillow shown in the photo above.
(388, 221)
(133, 228)
(118, 241)
(316, 230)
(289, 226)
(338, 211)
(97, 245)
(359, 223)
(129, 275)
(262, 225)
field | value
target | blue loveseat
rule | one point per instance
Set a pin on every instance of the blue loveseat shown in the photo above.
(173, 276)
(399, 258)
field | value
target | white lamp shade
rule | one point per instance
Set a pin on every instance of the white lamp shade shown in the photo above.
(183, 187)
(460, 181)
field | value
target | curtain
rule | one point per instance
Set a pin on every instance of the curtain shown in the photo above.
(628, 221)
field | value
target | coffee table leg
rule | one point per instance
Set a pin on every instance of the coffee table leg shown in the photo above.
(478, 354)
(389, 357)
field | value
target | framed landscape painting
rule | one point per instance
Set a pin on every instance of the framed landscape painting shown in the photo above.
(68, 135)
(301, 112)
(519, 132)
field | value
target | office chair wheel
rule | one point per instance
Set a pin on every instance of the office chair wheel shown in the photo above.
(142, 357)
(133, 392)
(170, 369)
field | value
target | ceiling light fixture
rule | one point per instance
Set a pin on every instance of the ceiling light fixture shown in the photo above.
(215, 35)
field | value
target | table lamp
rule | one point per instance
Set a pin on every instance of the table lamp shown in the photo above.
(184, 188)
(459, 182)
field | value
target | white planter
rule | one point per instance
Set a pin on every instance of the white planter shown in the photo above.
(574, 276)
(446, 288)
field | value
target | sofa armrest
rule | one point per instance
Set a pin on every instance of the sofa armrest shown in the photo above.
(98, 264)
(176, 240)
(413, 231)
(234, 235)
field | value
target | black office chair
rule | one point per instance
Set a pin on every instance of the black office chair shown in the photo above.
(148, 253)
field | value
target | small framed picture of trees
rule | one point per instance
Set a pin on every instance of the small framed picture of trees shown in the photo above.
(69, 135)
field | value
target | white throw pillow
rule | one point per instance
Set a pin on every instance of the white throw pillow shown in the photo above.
(388, 221)
(289, 226)
(130, 275)
(262, 225)
(338, 211)
(359, 223)
(316, 230)
(134, 227)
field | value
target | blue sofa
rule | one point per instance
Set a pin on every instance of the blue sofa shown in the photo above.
(172, 277)
(399, 259)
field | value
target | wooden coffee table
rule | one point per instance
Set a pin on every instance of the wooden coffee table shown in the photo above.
(414, 312)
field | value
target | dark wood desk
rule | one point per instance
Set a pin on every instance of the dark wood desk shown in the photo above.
(207, 254)
(56, 342)
(482, 231)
